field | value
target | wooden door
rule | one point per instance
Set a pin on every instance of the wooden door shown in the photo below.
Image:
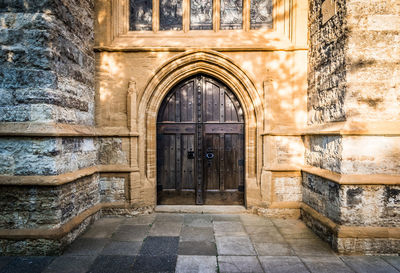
(200, 145)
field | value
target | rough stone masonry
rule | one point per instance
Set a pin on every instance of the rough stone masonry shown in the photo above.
(354, 87)
(58, 173)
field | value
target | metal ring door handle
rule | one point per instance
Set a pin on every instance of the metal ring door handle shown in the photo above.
(209, 155)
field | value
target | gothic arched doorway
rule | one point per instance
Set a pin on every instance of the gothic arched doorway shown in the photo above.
(200, 145)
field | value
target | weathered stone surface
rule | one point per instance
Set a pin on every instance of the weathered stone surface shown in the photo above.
(46, 156)
(325, 152)
(112, 189)
(326, 65)
(47, 59)
(27, 207)
(111, 151)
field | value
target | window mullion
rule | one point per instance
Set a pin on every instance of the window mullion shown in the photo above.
(246, 15)
(216, 14)
(156, 15)
(186, 15)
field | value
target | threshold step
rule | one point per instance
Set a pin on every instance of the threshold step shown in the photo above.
(200, 209)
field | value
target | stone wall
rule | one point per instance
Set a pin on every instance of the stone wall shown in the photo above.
(46, 77)
(326, 64)
(47, 61)
(353, 98)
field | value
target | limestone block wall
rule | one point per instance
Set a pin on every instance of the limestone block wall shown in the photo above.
(350, 187)
(49, 149)
(47, 61)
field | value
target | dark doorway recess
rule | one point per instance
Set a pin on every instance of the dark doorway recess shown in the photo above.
(200, 145)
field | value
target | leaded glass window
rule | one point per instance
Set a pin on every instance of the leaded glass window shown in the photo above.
(231, 14)
(260, 14)
(201, 15)
(170, 14)
(140, 17)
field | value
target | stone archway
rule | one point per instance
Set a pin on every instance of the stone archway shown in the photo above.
(172, 72)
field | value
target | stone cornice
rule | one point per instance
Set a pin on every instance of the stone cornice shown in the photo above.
(183, 49)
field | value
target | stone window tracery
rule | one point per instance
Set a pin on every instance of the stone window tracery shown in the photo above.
(185, 15)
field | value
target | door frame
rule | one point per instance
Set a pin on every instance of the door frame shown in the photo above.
(183, 66)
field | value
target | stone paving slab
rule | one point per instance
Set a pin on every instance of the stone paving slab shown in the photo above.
(122, 248)
(102, 231)
(195, 264)
(156, 264)
(197, 248)
(169, 217)
(4, 261)
(192, 219)
(282, 264)
(160, 246)
(86, 247)
(131, 233)
(108, 264)
(27, 264)
(310, 247)
(267, 237)
(234, 245)
(393, 260)
(329, 264)
(200, 243)
(255, 220)
(224, 228)
(197, 234)
(70, 264)
(235, 264)
(273, 249)
(368, 264)
(140, 220)
(225, 218)
(162, 228)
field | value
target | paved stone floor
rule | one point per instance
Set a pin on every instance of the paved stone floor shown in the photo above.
(199, 243)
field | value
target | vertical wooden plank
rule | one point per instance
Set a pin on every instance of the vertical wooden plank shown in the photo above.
(199, 141)
(229, 162)
(190, 102)
(222, 105)
(178, 105)
(221, 157)
(241, 158)
(178, 163)
(187, 164)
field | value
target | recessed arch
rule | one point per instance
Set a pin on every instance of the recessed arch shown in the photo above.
(177, 69)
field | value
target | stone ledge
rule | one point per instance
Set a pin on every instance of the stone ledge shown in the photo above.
(341, 231)
(354, 179)
(184, 49)
(56, 180)
(31, 129)
(60, 232)
(345, 128)
(55, 233)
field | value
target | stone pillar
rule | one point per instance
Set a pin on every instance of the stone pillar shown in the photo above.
(48, 183)
(351, 187)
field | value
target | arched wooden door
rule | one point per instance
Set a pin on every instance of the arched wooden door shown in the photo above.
(200, 145)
